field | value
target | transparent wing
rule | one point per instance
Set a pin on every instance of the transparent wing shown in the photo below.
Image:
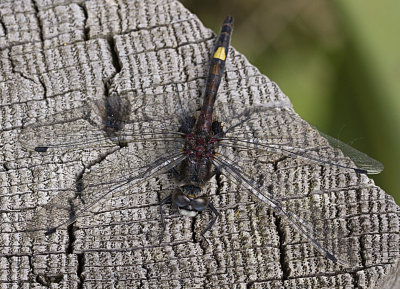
(254, 153)
(330, 240)
(77, 134)
(72, 135)
(152, 146)
(279, 130)
(125, 168)
(151, 116)
(362, 161)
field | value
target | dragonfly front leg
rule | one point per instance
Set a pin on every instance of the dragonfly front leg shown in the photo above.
(212, 222)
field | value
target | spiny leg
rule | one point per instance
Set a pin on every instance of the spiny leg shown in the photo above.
(212, 222)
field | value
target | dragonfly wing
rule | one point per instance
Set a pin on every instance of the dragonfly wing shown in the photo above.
(121, 170)
(152, 145)
(287, 165)
(328, 236)
(362, 161)
(73, 135)
(280, 131)
(79, 134)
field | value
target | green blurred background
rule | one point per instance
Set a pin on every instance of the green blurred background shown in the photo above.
(338, 61)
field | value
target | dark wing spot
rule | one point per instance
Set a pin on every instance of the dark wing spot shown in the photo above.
(41, 149)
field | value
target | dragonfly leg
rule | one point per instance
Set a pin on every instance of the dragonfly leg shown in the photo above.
(216, 215)
(174, 172)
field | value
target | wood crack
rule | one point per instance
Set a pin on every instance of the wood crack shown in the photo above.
(86, 30)
(39, 20)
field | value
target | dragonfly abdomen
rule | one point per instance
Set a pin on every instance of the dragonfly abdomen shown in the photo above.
(217, 69)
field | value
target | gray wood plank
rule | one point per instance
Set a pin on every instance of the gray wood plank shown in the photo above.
(60, 59)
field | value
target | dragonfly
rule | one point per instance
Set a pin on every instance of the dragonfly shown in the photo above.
(193, 145)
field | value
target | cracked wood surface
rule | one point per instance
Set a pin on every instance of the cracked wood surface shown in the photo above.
(60, 56)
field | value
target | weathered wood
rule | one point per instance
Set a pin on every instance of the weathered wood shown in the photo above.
(58, 56)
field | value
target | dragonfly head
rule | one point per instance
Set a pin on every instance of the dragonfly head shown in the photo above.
(189, 202)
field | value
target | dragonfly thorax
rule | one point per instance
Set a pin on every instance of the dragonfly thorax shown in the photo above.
(199, 150)
(199, 147)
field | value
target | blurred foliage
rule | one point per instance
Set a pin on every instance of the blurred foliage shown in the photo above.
(338, 61)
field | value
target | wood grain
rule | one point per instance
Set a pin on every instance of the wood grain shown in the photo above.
(58, 61)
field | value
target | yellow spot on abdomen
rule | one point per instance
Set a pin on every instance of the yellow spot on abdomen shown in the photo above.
(220, 53)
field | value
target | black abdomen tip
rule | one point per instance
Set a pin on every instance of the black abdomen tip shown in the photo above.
(228, 20)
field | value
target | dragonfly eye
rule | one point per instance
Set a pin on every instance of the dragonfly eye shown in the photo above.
(180, 200)
(200, 203)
